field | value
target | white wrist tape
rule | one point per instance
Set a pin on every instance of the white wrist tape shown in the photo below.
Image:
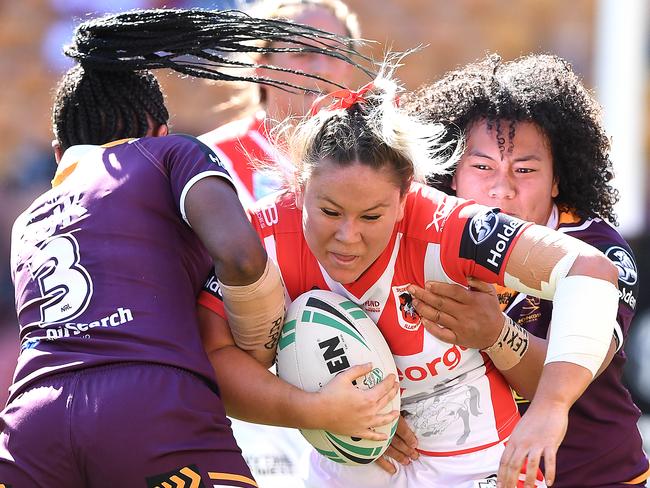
(256, 312)
(510, 347)
(584, 314)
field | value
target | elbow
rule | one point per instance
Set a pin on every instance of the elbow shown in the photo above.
(243, 267)
(596, 265)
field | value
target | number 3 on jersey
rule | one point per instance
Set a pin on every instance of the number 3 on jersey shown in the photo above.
(65, 285)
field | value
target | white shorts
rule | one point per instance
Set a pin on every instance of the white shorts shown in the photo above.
(277, 457)
(472, 470)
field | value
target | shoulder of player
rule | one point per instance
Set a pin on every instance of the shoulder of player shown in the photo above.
(184, 145)
(592, 230)
(277, 213)
(232, 131)
(427, 210)
(168, 142)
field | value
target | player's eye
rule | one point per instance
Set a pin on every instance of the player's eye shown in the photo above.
(482, 167)
(329, 213)
(371, 217)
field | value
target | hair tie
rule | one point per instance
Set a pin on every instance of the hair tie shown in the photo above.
(341, 99)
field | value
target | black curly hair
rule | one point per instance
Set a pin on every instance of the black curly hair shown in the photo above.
(538, 88)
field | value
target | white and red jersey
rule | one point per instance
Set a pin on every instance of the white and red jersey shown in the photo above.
(453, 398)
(239, 144)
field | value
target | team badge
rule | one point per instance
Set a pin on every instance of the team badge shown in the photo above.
(482, 226)
(624, 263)
(407, 317)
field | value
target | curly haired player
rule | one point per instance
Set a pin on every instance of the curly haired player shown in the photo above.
(535, 147)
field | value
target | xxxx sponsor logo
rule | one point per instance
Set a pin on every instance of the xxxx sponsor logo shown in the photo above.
(186, 477)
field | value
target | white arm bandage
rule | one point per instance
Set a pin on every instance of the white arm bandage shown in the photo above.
(584, 314)
(256, 313)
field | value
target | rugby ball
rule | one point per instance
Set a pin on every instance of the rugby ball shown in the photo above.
(323, 335)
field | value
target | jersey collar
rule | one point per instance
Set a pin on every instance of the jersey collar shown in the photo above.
(69, 161)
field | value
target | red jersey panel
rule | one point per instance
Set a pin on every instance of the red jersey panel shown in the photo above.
(452, 397)
(239, 144)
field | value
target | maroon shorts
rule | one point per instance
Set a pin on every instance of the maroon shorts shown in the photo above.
(131, 425)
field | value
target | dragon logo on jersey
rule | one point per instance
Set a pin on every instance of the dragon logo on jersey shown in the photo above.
(482, 226)
(627, 272)
(408, 317)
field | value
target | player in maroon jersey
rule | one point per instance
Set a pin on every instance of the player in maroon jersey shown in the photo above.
(355, 220)
(113, 387)
(535, 147)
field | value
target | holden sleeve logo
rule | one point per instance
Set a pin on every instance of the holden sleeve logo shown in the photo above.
(482, 226)
(487, 238)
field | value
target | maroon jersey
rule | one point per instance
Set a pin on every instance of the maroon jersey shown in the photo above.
(603, 446)
(105, 267)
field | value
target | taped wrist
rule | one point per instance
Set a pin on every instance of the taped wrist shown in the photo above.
(256, 312)
(510, 347)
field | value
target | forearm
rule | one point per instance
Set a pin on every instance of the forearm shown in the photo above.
(560, 385)
(211, 206)
(524, 376)
(263, 398)
(256, 313)
(585, 295)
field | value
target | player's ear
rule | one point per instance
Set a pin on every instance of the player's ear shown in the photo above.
(555, 190)
(158, 130)
(58, 151)
(300, 198)
(402, 204)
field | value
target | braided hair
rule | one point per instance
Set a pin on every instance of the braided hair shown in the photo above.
(111, 94)
(538, 88)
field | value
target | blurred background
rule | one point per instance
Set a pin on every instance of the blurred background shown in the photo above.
(607, 42)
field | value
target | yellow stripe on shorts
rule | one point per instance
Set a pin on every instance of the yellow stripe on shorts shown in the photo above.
(232, 477)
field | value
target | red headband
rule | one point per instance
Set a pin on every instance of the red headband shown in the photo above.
(340, 99)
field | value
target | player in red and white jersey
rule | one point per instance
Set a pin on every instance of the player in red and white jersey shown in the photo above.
(355, 221)
(244, 143)
(238, 144)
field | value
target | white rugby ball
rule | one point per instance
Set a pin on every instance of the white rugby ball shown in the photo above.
(324, 334)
